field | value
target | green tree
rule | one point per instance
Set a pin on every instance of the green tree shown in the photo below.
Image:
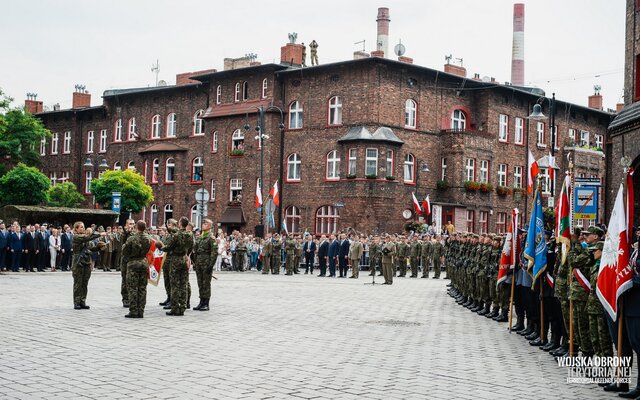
(24, 185)
(136, 194)
(65, 195)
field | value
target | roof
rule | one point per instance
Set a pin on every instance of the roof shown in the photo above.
(162, 146)
(221, 74)
(240, 108)
(630, 114)
(155, 89)
(63, 210)
(382, 134)
(233, 216)
(73, 110)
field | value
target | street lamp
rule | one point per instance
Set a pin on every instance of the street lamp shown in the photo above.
(537, 115)
(89, 166)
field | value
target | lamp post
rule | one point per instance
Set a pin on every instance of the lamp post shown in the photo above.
(89, 166)
(424, 167)
(537, 115)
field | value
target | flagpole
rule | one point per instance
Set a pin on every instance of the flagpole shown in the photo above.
(513, 256)
(542, 330)
(571, 323)
(620, 309)
(513, 287)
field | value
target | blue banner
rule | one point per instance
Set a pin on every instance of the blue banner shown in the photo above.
(116, 200)
(535, 249)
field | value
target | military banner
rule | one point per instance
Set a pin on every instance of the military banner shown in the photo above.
(509, 251)
(535, 250)
(155, 259)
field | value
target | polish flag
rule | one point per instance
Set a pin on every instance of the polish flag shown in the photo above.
(426, 204)
(552, 167)
(416, 205)
(533, 171)
(258, 195)
(274, 194)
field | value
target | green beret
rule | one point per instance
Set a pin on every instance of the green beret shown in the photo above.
(597, 246)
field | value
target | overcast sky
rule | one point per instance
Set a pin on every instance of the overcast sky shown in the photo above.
(49, 46)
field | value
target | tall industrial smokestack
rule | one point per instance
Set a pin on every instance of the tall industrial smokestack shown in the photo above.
(517, 54)
(383, 30)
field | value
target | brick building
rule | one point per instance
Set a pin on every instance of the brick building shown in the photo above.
(359, 137)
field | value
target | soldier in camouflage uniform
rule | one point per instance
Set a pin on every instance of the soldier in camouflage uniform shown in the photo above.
(402, 252)
(276, 257)
(267, 247)
(177, 245)
(425, 256)
(437, 255)
(472, 260)
(355, 253)
(492, 276)
(414, 256)
(204, 256)
(84, 243)
(129, 227)
(561, 291)
(135, 251)
(600, 338)
(290, 248)
(298, 255)
(484, 258)
(241, 254)
(374, 250)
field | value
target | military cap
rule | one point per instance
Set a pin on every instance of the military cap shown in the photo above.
(475, 236)
(596, 246)
(595, 231)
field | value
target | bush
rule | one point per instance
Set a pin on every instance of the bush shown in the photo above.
(24, 185)
(65, 194)
(351, 176)
(486, 187)
(471, 186)
(390, 178)
(371, 176)
(237, 152)
(442, 185)
(503, 191)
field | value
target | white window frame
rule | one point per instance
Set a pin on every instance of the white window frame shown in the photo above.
(197, 165)
(502, 175)
(153, 217)
(236, 97)
(470, 169)
(43, 147)
(155, 126)
(409, 168)
(294, 166)
(503, 128)
(332, 166)
(237, 140)
(410, 114)
(117, 131)
(458, 120)
(169, 163)
(501, 223)
(198, 123)
(131, 165)
(88, 177)
(483, 221)
(103, 141)
(599, 141)
(168, 208)
(155, 170)
(572, 135)
(292, 218)
(540, 134)
(235, 185)
(117, 166)
(389, 166)
(53, 178)
(353, 162)
(545, 180)
(64, 176)
(443, 168)
(295, 115)
(195, 216)
(131, 132)
(584, 138)
(218, 94)
(327, 218)
(517, 176)
(66, 144)
(471, 221)
(212, 193)
(519, 131)
(171, 125)
(214, 142)
(484, 171)
(335, 111)
(245, 91)
(54, 143)
(90, 140)
(371, 161)
(265, 84)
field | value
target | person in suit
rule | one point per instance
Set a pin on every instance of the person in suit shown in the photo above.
(343, 255)
(28, 248)
(42, 248)
(323, 252)
(4, 245)
(332, 255)
(15, 247)
(66, 239)
(308, 250)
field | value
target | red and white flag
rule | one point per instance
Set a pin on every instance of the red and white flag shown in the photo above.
(533, 170)
(509, 251)
(614, 275)
(258, 195)
(416, 205)
(426, 205)
(274, 194)
(630, 205)
(552, 167)
(563, 218)
(155, 259)
(582, 280)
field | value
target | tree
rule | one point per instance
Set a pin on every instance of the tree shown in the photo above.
(24, 185)
(65, 195)
(136, 194)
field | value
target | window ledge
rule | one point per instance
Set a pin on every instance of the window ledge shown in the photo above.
(541, 145)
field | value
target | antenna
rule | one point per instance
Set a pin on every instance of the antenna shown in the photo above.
(363, 44)
(251, 56)
(596, 89)
(448, 58)
(460, 61)
(156, 68)
(399, 49)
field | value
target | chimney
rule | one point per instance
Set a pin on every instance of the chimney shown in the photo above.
(382, 44)
(517, 51)
(291, 53)
(185, 77)
(377, 53)
(81, 98)
(358, 55)
(406, 60)
(619, 107)
(595, 101)
(455, 70)
(31, 105)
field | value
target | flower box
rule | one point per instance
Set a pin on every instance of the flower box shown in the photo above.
(471, 186)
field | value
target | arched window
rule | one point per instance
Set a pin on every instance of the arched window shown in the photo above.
(117, 136)
(116, 166)
(333, 166)
(131, 165)
(264, 88)
(197, 166)
(327, 220)
(214, 142)
(335, 111)
(293, 167)
(132, 135)
(171, 125)
(196, 217)
(198, 123)
(245, 90)
(155, 170)
(218, 94)
(168, 212)
(155, 127)
(458, 120)
(410, 113)
(409, 168)
(154, 216)
(236, 96)
(295, 115)
(237, 140)
(292, 219)
(169, 170)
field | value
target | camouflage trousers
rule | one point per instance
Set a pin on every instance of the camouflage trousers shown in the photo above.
(179, 278)
(166, 277)
(290, 261)
(504, 295)
(481, 287)
(493, 290)
(402, 268)
(436, 267)
(581, 324)
(266, 264)
(426, 264)
(203, 275)
(81, 275)
(599, 334)
(275, 264)
(124, 291)
(137, 277)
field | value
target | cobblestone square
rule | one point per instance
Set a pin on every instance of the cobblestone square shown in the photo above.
(266, 337)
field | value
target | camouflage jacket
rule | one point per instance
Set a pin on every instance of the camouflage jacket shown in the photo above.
(205, 251)
(136, 249)
(83, 246)
(178, 243)
(578, 258)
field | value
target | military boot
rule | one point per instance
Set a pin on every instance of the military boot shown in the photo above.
(167, 301)
(167, 306)
(205, 305)
(519, 324)
(486, 310)
(503, 317)
(199, 306)
(493, 313)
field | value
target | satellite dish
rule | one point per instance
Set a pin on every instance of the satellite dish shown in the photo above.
(399, 49)
(486, 79)
(162, 83)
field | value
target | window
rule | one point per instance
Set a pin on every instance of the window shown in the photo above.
(218, 94)
(169, 170)
(53, 178)
(295, 115)
(410, 112)
(335, 111)
(264, 88)
(236, 97)
(155, 127)
(293, 167)
(371, 162)
(171, 125)
(117, 131)
(502, 174)
(235, 189)
(503, 131)
(470, 221)
(237, 140)
(572, 135)
(66, 145)
(212, 194)
(131, 165)
(292, 219)
(65, 176)
(545, 180)
(501, 223)
(599, 141)
(89, 142)
(154, 216)
(155, 170)
(519, 132)
(197, 166)
(196, 217)
(333, 166)
(88, 176)
(214, 142)
(43, 147)
(54, 143)
(168, 212)
(584, 138)
(353, 158)
(409, 168)
(103, 141)
(245, 90)
(484, 171)
(144, 173)
(389, 166)
(198, 125)
(470, 169)
(116, 166)
(327, 220)
(132, 135)
(517, 177)
(483, 218)
(443, 169)
(458, 120)
(540, 134)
